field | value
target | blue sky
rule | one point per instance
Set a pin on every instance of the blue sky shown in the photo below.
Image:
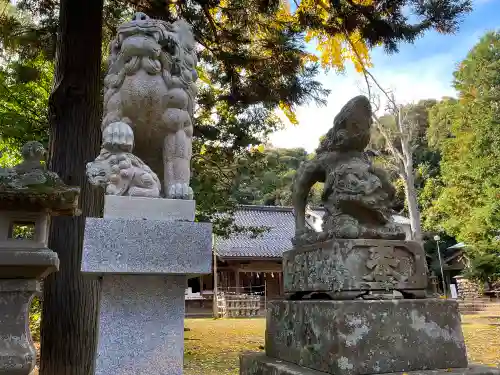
(419, 71)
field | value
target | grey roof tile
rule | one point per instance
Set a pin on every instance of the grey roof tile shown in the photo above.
(272, 243)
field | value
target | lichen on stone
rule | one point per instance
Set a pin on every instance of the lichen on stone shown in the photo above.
(30, 186)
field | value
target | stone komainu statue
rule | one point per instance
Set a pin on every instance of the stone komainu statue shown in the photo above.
(357, 196)
(150, 87)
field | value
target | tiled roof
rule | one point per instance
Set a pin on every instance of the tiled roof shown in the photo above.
(270, 244)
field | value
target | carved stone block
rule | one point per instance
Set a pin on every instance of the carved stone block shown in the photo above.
(346, 269)
(260, 364)
(366, 337)
(17, 352)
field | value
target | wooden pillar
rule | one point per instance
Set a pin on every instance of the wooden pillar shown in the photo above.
(237, 280)
(215, 309)
(280, 281)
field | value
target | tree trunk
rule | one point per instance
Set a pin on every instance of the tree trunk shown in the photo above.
(411, 193)
(70, 307)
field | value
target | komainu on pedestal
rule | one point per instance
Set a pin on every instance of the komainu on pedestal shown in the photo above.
(361, 251)
(355, 290)
(357, 195)
(148, 243)
(149, 100)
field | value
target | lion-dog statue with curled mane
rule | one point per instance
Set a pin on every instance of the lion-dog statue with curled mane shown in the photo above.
(149, 100)
(357, 196)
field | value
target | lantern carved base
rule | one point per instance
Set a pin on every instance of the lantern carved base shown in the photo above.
(17, 352)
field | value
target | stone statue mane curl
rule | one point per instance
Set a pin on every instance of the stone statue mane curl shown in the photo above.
(151, 88)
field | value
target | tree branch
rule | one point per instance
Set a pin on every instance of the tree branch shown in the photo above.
(389, 140)
(229, 178)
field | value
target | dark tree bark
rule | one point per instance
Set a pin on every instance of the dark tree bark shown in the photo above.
(70, 308)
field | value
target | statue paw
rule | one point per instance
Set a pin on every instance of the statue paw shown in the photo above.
(179, 191)
(118, 136)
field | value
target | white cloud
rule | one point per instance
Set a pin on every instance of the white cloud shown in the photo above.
(421, 79)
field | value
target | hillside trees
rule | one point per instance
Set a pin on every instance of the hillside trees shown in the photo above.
(467, 133)
(271, 183)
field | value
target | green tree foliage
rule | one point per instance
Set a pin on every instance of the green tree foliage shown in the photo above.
(484, 268)
(270, 182)
(24, 104)
(9, 154)
(35, 317)
(466, 131)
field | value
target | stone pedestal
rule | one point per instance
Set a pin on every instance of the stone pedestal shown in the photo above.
(20, 272)
(345, 269)
(22, 265)
(17, 352)
(366, 337)
(144, 264)
(260, 364)
(350, 324)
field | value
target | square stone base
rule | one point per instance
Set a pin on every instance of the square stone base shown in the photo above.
(136, 246)
(260, 364)
(366, 337)
(141, 325)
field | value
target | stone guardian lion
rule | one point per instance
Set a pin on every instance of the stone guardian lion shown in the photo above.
(150, 86)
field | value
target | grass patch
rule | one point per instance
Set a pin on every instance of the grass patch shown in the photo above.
(212, 346)
(483, 343)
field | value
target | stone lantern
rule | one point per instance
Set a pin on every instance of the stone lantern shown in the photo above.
(29, 195)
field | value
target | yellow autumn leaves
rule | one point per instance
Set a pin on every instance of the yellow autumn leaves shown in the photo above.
(212, 347)
(334, 50)
(331, 51)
